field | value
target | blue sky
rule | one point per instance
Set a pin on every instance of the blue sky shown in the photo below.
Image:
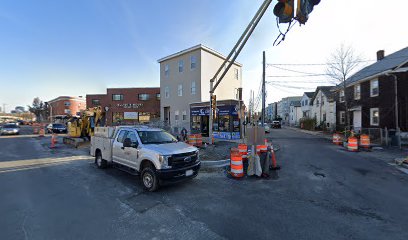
(52, 48)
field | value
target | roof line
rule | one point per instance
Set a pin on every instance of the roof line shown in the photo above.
(67, 98)
(199, 46)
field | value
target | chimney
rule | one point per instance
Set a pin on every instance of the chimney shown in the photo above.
(380, 55)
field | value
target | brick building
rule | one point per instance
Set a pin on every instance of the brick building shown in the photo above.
(66, 105)
(127, 105)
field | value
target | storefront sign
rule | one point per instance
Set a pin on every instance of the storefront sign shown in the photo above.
(221, 111)
(130, 115)
(130, 105)
(226, 135)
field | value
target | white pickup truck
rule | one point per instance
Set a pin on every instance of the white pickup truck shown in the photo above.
(151, 152)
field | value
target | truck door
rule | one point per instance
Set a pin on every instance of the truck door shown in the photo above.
(131, 154)
(118, 152)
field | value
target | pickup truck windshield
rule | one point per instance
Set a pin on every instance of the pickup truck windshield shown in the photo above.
(156, 137)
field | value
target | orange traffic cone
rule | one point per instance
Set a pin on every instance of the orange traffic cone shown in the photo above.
(53, 140)
(275, 165)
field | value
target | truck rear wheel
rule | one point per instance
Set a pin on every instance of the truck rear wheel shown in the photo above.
(99, 161)
(149, 179)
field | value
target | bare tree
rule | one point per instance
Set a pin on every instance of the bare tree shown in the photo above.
(39, 109)
(340, 65)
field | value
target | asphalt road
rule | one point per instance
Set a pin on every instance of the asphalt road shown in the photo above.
(322, 193)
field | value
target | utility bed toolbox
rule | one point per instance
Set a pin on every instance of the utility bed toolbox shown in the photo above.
(106, 132)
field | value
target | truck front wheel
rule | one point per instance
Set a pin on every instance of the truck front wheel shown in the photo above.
(149, 179)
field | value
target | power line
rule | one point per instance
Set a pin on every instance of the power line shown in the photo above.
(281, 89)
(299, 81)
(289, 86)
(259, 96)
(291, 70)
(323, 64)
(309, 75)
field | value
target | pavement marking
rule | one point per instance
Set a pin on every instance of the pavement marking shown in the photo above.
(17, 165)
(30, 136)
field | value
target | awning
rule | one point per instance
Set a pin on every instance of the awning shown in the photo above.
(355, 108)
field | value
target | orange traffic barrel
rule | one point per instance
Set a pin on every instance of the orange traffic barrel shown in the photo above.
(41, 132)
(192, 140)
(352, 145)
(261, 149)
(365, 141)
(199, 140)
(337, 139)
(237, 167)
(243, 150)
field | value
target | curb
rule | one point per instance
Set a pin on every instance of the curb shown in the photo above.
(316, 134)
(213, 164)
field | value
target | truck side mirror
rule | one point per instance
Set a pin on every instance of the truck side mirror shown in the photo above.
(127, 143)
(135, 145)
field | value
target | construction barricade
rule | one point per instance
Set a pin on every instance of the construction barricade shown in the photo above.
(192, 140)
(195, 140)
(261, 149)
(41, 132)
(199, 140)
(36, 128)
(365, 141)
(352, 144)
(337, 139)
(237, 167)
(243, 151)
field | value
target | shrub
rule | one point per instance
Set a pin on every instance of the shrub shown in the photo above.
(308, 123)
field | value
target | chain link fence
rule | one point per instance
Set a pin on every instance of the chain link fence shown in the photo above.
(381, 136)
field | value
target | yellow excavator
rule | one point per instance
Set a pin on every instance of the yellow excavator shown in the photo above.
(83, 126)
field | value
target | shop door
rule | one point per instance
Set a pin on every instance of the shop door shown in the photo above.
(205, 126)
(167, 115)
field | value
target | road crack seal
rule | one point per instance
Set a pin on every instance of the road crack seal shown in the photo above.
(23, 227)
(319, 174)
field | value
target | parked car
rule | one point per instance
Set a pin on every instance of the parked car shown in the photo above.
(276, 124)
(152, 153)
(21, 122)
(9, 129)
(267, 128)
(56, 128)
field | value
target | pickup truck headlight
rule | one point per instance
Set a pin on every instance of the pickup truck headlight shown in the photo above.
(198, 155)
(164, 161)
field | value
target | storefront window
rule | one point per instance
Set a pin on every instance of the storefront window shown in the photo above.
(224, 123)
(215, 124)
(235, 123)
(196, 123)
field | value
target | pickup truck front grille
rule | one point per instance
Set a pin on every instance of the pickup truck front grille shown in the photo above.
(183, 159)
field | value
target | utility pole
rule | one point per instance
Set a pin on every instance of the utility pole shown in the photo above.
(263, 90)
(253, 107)
(232, 56)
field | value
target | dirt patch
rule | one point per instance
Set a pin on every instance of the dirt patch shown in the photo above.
(219, 151)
